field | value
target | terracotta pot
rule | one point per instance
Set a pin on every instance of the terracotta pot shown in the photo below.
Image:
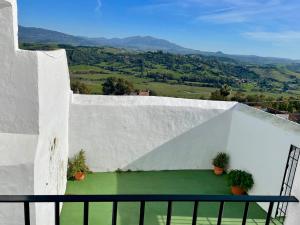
(218, 170)
(79, 176)
(237, 190)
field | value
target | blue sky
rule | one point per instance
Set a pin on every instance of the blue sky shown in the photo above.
(261, 27)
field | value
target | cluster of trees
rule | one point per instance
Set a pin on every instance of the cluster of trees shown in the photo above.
(117, 86)
(221, 94)
(110, 86)
(289, 104)
(80, 88)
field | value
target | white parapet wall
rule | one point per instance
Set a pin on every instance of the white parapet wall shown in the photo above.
(259, 142)
(148, 133)
(34, 99)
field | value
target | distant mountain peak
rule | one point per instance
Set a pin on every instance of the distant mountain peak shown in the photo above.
(141, 43)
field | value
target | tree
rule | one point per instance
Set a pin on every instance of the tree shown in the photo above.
(225, 90)
(153, 93)
(221, 94)
(239, 97)
(117, 86)
(80, 88)
(142, 67)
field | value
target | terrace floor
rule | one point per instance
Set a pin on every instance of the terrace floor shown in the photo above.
(161, 182)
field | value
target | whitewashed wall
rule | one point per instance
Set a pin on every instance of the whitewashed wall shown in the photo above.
(16, 173)
(147, 133)
(34, 99)
(18, 77)
(293, 214)
(259, 143)
(18, 115)
(51, 157)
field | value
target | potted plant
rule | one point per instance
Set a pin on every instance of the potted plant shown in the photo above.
(77, 167)
(240, 181)
(220, 163)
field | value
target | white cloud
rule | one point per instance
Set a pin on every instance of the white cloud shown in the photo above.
(257, 12)
(284, 36)
(242, 11)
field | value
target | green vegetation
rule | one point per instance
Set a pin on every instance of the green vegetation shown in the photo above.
(161, 182)
(222, 93)
(184, 76)
(77, 164)
(240, 178)
(289, 103)
(80, 88)
(117, 86)
(221, 160)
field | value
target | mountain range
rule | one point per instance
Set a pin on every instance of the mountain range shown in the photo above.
(137, 43)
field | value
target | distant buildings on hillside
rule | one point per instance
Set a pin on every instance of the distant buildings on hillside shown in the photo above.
(141, 93)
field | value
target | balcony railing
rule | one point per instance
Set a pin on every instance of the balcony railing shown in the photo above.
(143, 199)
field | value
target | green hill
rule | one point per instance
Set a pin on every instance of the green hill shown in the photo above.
(191, 76)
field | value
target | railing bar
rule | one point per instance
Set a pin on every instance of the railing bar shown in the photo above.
(287, 185)
(86, 213)
(169, 215)
(147, 198)
(142, 213)
(245, 213)
(195, 213)
(290, 172)
(26, 213)
(294, 172)
(57, 220)
(285, 176)
(220, 213)
(269, 215)
(114, 213)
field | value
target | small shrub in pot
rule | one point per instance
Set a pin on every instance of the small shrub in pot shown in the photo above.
(77, 167)
(220, 163)
(240, 181)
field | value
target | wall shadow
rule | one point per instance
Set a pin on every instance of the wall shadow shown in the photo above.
(190, 150)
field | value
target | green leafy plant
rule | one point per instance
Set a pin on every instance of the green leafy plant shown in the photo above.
(77, 164)
(119, 170)
(221, 160)
(240, 178)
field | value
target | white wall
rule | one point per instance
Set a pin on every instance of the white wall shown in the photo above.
(259, 143)
(147, 133)
(51, 157)
(18, 78)
(18, 115)
(34, 98)
(16, 172)
(293, 214)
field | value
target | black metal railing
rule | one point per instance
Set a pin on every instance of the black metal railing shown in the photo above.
(288, 181)
(142, 199)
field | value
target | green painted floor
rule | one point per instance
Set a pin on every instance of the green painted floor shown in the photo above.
(161, 182)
